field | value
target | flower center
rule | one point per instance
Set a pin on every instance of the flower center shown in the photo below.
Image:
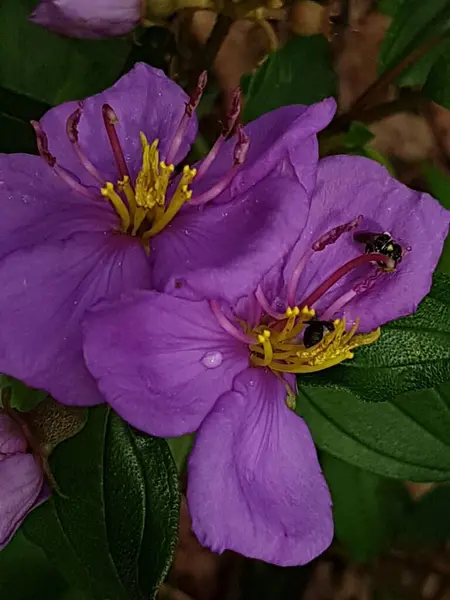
(147, 205)
(144, 209)
(278, 345)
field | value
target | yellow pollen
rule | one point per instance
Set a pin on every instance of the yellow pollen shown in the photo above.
(144, 209)
(109, 192)
(286, 353)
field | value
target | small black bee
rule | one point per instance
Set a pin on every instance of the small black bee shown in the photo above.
(383, 243)
(315, 331)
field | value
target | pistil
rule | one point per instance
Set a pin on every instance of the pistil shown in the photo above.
(342, 271)
(110, 119)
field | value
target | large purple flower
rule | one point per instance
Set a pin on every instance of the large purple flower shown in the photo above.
(21, 479)
(106, 212)
(171, 365)
(88, 18)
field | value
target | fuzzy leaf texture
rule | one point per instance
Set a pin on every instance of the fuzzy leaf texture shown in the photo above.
(49, 67)
(404, 438)
(112, 530)
(300, 72)
(413, 353)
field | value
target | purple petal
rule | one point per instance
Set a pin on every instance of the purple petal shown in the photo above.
(45, 292)
(351, 186)
(87, 18)
(21, 481)
(11, 438)
(283, 140)
(36, 206)
(144, 100)
(161, 362)
(223, 251)
(254, 481)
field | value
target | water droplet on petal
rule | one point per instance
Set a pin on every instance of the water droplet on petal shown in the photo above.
(212, 360)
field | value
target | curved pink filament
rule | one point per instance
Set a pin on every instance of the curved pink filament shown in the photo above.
(228, 326)
(182, 127)
(264, 303)
(293, 282)
(72, 134)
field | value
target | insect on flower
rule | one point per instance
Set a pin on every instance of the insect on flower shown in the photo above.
(224, 364)
(106, 210)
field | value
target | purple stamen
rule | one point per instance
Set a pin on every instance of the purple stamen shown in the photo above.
(342, 271)
(68, 178)
(241, 148)
(330, 237)
(191, 105)
(227, 129)
(72, 134)
(110, 119)
(228, 326)
(240, 151)
(360, 288)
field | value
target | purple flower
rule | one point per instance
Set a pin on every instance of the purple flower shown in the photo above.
(88, 18)
(105, 212)
(171, 365)
(21, 479)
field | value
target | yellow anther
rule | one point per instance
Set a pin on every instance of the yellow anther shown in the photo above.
(336, 322)
(264, 337)
(308, 312)
(126, 187)
(182, 194)
(292, 312)
(109, 192)
(146, 210)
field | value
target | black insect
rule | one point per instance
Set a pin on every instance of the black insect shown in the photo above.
(315, 331)
(382, 243)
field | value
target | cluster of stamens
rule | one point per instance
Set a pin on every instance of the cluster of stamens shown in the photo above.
(279, 345)
(281, 340)
(147, 205)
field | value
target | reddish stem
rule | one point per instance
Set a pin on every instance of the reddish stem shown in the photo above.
(110, 119)
(342, 271)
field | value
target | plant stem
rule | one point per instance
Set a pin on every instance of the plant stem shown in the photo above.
(211, 49)
(389, 77)
(408, 100)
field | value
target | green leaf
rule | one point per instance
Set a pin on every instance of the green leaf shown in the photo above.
(180, 448)
(439, 186)
(22, 398)
(429, 521)
(299, 73)
(437, 86)
(390, 7)
(404, 438)
(26, 573)
(368, 510)
(414, 23)
(53, 68)
(113, 530)
(413, 353)
(357, 136)
(417, 74)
